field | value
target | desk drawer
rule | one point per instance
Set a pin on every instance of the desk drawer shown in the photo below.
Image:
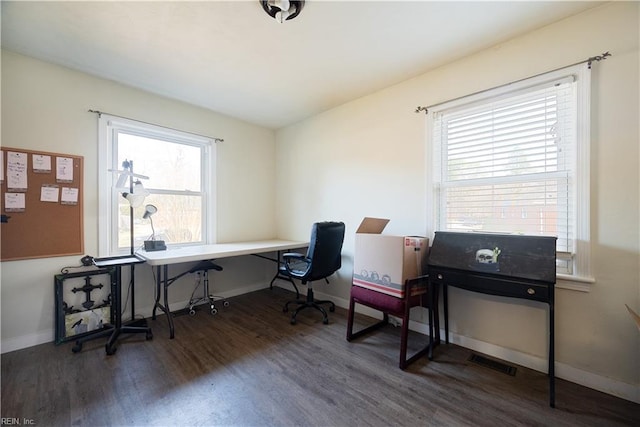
(500, 286)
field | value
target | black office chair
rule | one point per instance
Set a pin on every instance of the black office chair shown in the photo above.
(323, 258)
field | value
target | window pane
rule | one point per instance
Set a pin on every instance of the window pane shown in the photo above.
(178, 220)
(518, 207)
(169, 165)
(512, 139)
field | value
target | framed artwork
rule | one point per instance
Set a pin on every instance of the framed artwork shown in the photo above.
(83, 303)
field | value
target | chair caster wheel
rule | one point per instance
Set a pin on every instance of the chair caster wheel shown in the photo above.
(325, 321)
(110, 350)
(77, 347)
(214, 311)
(192, 312)
(226, 304)
(149, 336)
(292, 321)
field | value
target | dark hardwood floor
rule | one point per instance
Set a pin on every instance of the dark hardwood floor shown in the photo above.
(248, 366)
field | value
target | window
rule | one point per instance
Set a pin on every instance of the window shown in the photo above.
(515, 159)
(179, 167)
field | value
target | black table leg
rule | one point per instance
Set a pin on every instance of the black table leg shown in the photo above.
(552, 376)
(445, 303)
(167, 310)
(158, 291)
(162, 285)
(278, 275)
(430, 299)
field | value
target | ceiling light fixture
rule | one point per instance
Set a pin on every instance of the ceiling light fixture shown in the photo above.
(282, 10)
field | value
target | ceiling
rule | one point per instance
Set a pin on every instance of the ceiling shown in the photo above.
(231, 57)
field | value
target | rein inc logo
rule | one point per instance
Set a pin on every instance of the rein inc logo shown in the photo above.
(12, 421)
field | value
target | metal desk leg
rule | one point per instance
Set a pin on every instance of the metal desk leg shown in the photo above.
(158, 291)
(166, 302)
(162, 288)
(280, 276)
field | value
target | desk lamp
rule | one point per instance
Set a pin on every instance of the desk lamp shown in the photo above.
(152, 244)
(137, 195)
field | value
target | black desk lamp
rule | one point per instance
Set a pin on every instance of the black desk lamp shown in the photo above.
(152, 244)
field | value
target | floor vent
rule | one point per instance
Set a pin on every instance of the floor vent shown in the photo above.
(493, 364)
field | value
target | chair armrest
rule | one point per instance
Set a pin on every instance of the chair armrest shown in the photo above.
(296, 264)
(294, 255)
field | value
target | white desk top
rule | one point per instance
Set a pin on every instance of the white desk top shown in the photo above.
(220, 250)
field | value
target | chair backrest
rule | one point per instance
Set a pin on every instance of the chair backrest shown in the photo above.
(325, 249)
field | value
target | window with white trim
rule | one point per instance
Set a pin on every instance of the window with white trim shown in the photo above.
(515, 159)
(180, 170)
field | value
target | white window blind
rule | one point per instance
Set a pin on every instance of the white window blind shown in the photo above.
(506, 161)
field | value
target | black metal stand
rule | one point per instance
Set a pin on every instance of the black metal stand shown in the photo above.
(134, 326)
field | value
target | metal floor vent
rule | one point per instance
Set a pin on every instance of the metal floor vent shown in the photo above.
(493, 364)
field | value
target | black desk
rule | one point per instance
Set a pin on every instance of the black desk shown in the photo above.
(497, 264)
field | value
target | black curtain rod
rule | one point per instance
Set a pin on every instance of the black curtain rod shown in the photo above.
(100, 113)
(588, 61)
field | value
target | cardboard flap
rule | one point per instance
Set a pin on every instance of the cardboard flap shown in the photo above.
(372, 225)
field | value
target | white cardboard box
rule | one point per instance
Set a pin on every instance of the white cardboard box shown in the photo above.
(383, 262)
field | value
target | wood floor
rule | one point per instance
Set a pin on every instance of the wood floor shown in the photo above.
(247, 366)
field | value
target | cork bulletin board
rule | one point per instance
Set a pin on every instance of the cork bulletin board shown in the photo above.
(41, 204)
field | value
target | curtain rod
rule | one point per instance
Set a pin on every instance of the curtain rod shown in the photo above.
(100, 113)
(588, 61)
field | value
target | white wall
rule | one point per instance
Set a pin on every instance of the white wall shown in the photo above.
(44, 107)
(367, 158)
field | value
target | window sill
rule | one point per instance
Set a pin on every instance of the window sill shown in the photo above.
(574, 283)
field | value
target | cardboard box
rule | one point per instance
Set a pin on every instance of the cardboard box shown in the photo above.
(383, 262)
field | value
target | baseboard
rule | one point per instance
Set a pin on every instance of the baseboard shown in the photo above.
(13, 344)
